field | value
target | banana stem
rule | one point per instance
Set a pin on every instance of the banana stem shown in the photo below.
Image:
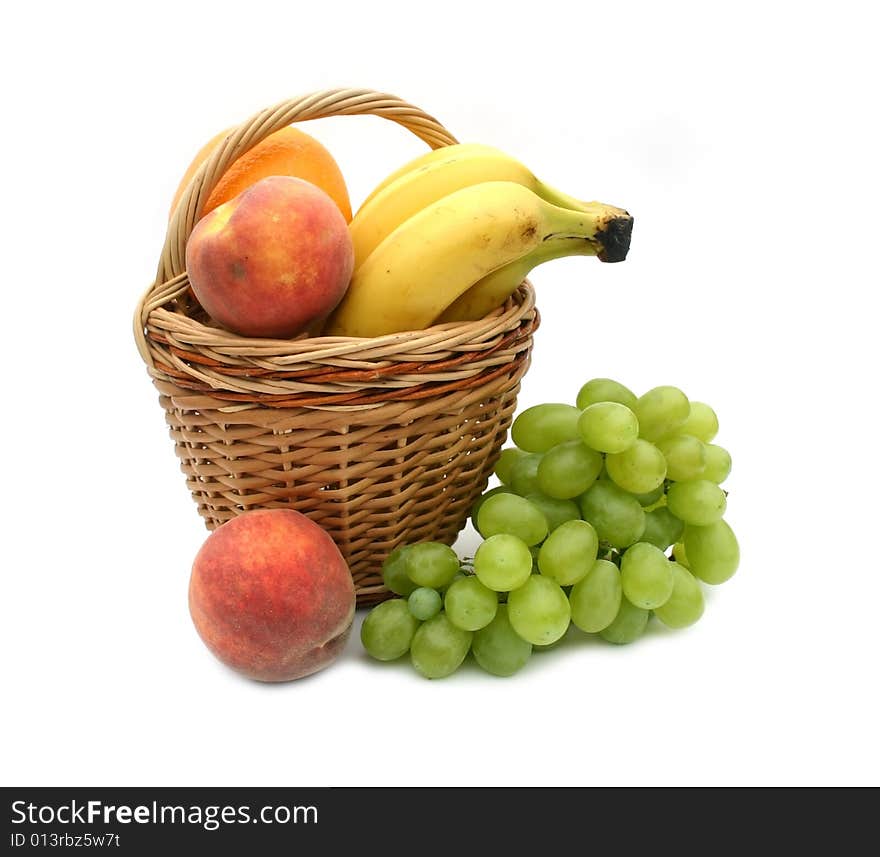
(609, 225)
(559, 246)
(563, 200)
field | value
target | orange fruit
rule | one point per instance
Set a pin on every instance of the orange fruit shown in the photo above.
(288, 152)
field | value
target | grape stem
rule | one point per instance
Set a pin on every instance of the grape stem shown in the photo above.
(609, 553)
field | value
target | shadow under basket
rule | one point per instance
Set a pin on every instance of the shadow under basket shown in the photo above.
(382, 441)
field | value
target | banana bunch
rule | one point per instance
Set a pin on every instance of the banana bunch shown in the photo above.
(451, 235)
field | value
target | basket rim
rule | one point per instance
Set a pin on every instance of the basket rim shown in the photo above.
(352, 371)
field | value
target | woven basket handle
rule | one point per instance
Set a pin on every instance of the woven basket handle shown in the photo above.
(331, 102)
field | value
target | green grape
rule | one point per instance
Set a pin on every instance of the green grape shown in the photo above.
(639, 469)
(541, 427)
(524, 474)
(651, 497)
(424, 603)
(718, 463)
(506, 460)
(685, 605)
(605, 390)
(685, 457)
(431, 564)
(503, 562)
(617, 517)
(469, 604)
(680, 555)
(556, 511)
(661, 411)
(514, 515)
(539, 610)
(712, 551)
(608, 427)
(498, 649)
(662, 528)
(699, 502)
(568, 469)
(569, 552)
(646, 576)
(394, 572)
(629, 624)
(438, 647)
(595, 600)
(702, 422)
(475, 509)
(388, 629)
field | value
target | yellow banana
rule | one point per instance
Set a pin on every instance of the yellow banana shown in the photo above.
(495, 288)
(437, 254)
(425, 159)
(433, 176)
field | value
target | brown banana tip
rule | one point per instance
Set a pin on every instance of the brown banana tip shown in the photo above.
(614, 238)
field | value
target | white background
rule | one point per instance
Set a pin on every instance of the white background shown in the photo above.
(743, 142)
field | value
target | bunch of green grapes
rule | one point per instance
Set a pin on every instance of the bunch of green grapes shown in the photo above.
(445, 610)
(609, 512)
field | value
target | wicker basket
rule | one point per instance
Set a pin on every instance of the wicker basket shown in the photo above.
(381, 441)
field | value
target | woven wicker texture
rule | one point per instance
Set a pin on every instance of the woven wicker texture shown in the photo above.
(381, 441)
